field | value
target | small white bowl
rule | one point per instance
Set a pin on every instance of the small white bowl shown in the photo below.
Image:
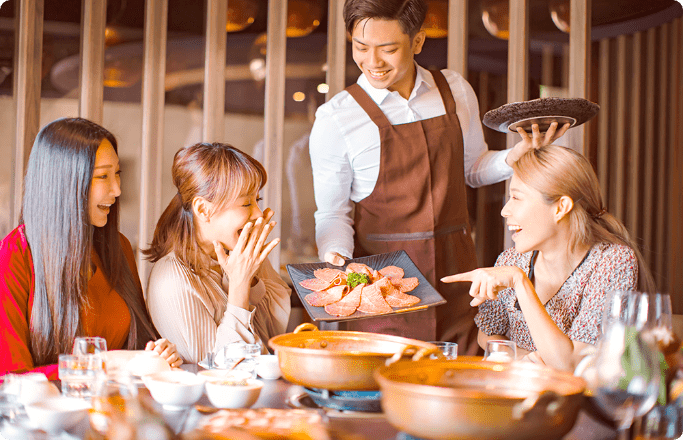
(268, 366)
(233, 396)
(146, 362)
(223, 375)
(174, 389)
(56, 414)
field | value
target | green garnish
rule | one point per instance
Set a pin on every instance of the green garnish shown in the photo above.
(354, 279)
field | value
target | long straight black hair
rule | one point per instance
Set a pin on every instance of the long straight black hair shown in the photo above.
(56, 215)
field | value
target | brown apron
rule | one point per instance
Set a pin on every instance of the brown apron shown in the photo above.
(419, 204)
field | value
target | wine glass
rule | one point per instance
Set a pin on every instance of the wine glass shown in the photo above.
(626, 372)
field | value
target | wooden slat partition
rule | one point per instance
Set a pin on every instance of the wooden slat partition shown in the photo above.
(660, 211)
(93, 24)
(153, 99)
(518, 70)
(604, 120)
(676, 254)
(547, 64)
(649, 143)
(214, 66)
(620, 129)
(27, 67)
(457, 36)
(336, 49)
(579, 63)
(633, 201)
(673, 193)
(274, 115)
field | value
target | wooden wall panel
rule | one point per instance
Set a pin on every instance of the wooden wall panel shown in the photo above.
(457, 36)
(660, 211)
(620, 129)
(676, 254)
(336, 49)
(274, 115)
(27, 67)
(633, 201)
(152, 146)
(649, 144)
(604, 120)
(673, 232)
(93, 24)
(214, 68)
(579, 63)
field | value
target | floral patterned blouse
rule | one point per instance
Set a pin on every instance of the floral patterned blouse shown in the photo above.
(576, 308)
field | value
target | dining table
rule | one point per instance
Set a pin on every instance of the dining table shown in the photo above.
(280, 394)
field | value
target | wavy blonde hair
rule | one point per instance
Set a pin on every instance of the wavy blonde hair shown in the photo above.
(556, 171)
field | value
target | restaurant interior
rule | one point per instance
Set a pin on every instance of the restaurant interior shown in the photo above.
(164, 74)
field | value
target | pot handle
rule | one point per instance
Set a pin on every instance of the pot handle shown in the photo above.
(417, 353)
(306, 326)
(547, 398)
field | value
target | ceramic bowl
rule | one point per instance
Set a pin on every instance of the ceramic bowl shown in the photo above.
(268, 367)
(223, 395)
(145, 363)
(237, 376)
(174, 390)
(58, 413)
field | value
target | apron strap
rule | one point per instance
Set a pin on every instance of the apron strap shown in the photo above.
(367, 104)
(445, 90)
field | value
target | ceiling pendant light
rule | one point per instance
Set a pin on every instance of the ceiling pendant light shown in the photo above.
(436, 21)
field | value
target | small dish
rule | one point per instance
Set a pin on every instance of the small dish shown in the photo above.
(268, 367)
(58, 413)
(215, 375)
(222, 395)
(175, 390)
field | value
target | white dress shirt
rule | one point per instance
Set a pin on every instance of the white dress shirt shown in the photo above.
(345, 149)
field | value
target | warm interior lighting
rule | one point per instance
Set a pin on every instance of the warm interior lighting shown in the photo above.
(559, 12)
(496, 17)
(436, 21)
(323, 88)
(112, 36)
(116, 76)
(299, 96)
(241, 13)
(303, 17)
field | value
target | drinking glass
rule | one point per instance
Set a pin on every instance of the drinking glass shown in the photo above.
(89, 345)
(234, 352)
(78, 373)
(625, 376)
(449, 349)
(111, 395)
(500, 350)
(10, 390)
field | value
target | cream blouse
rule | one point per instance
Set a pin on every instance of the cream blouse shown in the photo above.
(193, 312)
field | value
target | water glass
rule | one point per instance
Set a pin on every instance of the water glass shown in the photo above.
(78, 373)
(89, 345)
(232, 353)
(10, 390)
(449, 349)
(111, 396)
(500, 350)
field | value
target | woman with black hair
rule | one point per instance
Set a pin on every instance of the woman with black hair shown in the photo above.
(66, 271)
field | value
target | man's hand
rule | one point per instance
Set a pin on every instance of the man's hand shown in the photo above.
(335, 258)
(537, 140)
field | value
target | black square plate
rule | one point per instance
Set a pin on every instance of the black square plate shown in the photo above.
(428, 295)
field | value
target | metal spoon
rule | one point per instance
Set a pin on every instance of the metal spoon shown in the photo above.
(237, 363)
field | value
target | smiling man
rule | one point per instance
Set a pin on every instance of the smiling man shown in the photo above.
(399, 146)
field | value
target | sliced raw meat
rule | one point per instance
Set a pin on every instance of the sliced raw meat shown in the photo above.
(384, 285)
(315, 284)
(392, 272)
(375, 276)
(340, 279)
(406, 284)
(372, 301)
(399, 299)
(327, 274)
(359, 268)
(329, 296)
(348, 305)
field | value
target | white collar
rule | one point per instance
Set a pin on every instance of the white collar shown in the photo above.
(423, 77)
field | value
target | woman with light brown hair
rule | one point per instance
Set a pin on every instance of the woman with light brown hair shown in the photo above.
(547, 292)
(212, 283)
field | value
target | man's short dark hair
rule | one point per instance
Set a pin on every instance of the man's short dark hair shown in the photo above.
(409, 13)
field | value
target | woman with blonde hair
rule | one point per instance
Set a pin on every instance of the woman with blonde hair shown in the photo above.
(212, 283)
(547, 292)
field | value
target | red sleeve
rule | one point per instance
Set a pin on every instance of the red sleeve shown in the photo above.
(16, 296)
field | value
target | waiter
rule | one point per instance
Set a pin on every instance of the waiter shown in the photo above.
(399, 146)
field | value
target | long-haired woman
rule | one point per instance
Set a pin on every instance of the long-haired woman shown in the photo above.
(211, 283)
(547, 292)
(66, 270)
